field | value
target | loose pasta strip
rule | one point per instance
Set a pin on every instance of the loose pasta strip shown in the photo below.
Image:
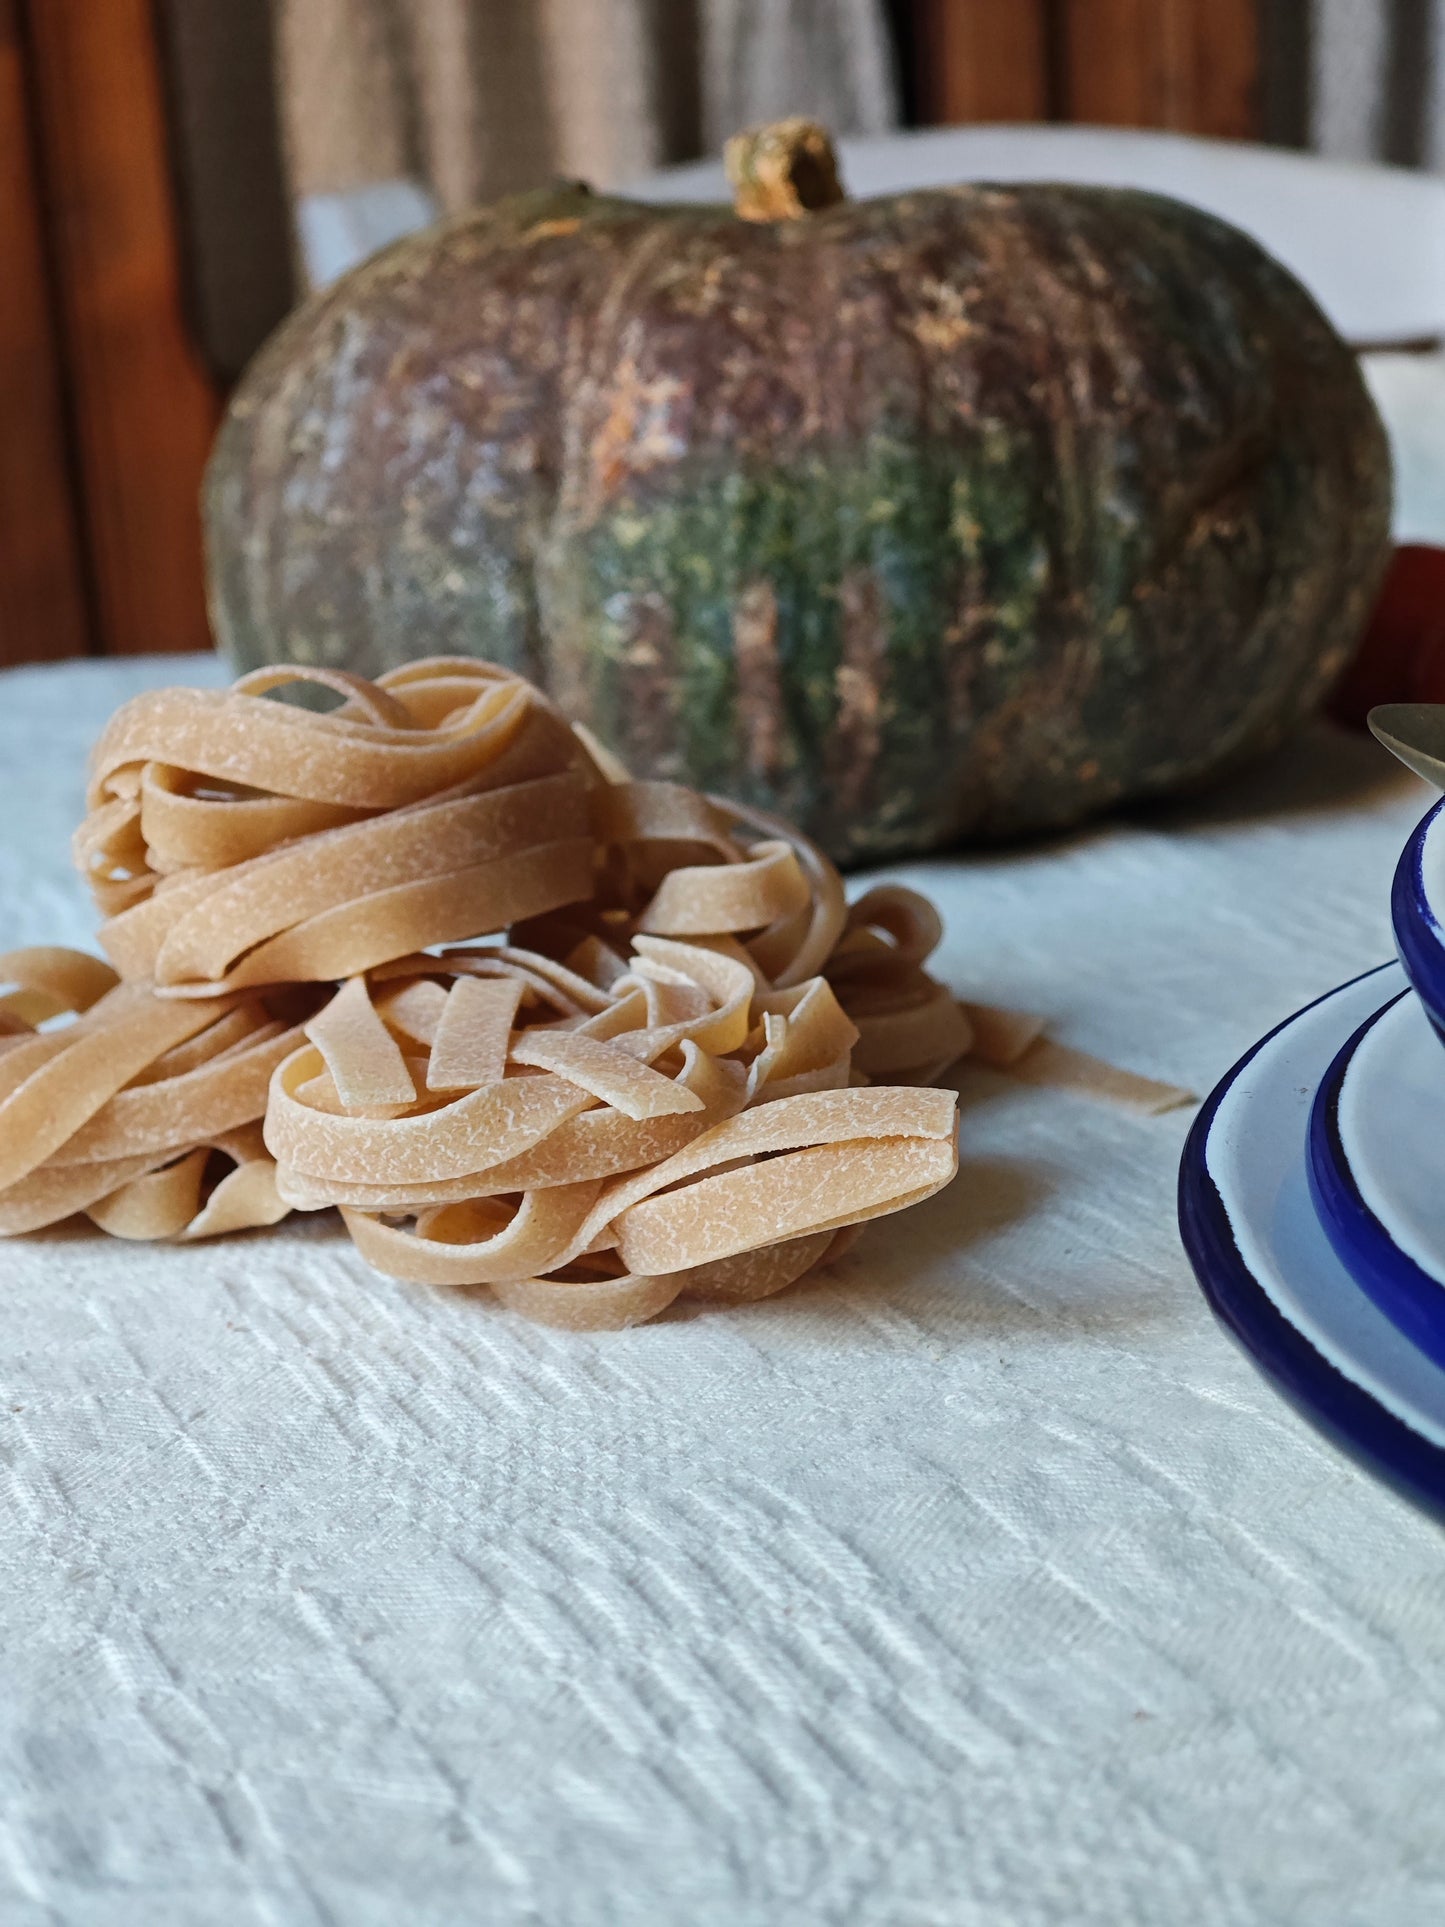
(608, 1072)
(48, 982)
(808, 1044)
(474, 1027)
(143, 1113)
(224, 1186)
(368, 1070)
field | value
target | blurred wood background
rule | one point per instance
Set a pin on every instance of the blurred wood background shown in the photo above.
(1187, 64)
(108, 396)
(146, 231)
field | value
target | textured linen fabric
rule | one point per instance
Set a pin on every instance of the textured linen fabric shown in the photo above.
(983, 1581)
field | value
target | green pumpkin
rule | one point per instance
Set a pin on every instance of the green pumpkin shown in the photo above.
(959, 513)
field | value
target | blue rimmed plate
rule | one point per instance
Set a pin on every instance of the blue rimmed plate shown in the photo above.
(1376, 1160)
(1417, 911)
(1269, 1271)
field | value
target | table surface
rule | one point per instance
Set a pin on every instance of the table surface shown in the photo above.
(983, 1581)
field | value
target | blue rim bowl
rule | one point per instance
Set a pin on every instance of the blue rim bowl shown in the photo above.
(1409, 1297)
(1418, 921)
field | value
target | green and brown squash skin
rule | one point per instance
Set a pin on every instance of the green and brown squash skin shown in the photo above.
(958, 514)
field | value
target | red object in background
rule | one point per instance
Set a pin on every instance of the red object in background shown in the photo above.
(1402, 658)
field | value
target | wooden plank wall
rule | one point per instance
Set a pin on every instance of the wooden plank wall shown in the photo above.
(1191, 65)
(983, 60)
(144, 410)
(42, 580)
(99, 278)
(1186, 64)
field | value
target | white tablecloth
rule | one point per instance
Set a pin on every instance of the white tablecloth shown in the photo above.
(982, 1582)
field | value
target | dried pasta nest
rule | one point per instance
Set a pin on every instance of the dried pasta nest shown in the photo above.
(593, 1149)
(432, 958)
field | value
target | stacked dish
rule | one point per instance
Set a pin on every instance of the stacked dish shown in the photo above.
(1312, 1196)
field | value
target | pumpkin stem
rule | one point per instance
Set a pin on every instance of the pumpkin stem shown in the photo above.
(783, 170)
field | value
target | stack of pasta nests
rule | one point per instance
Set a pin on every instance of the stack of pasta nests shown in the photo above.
(687, 1067)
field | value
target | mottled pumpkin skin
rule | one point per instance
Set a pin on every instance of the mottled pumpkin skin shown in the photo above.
(956, 514)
